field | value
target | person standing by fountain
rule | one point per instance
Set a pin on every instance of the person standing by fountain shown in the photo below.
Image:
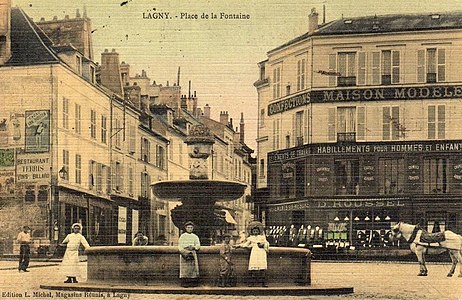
(188, 245)
(259, 248)
(70, 263)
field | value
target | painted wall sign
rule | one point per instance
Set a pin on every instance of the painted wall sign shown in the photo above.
(333, 204)
(33, 167)
(366, 94)
(391, 147)
(122, 225)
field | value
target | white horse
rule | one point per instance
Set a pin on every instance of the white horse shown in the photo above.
(412, 234)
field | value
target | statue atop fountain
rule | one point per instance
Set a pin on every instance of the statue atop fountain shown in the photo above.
(199, 194)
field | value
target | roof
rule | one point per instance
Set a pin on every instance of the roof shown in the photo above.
(385, 24)
(29, 45)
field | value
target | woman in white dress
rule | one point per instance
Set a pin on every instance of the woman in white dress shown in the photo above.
(70, 263)
(188, 245)
(259, 248)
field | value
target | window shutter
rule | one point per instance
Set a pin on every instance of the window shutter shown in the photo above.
(331, 125)
(361, 132)
(376, 68)
(292, 139)
(420, 65)
(441, 121)
(332, 68)
(386, 120)
(431, 122)
(396, 128)
(306, 121)
(395, 65)
(441, 65)
(361, 68)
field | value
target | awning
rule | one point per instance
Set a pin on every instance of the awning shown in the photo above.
(228, 217)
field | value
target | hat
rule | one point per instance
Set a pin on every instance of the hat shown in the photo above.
(256, 224)
(77, 224)
(189, 223)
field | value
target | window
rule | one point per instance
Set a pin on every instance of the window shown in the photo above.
(301, 66)
(99, 177)
(145, 185)
(78, 64)
(299, 128)
(346, 177)
(180, 153)
(346, 124)
(436, 175)
(66, 164)
(78, 169)
(375, 68)
(131, 139)
(436, 122)
(92, 175)
(42, 195)
(390, 120)
(117, 132)
(145, 150)
(93, 124)
(130, 179)
(431, 65)
(66, 113)
(277, 82)
(118, 176)
(92, 74)
(262, 117)
(392, 176)
(346, 64)
(104, 129)
(160, 157)
(78, 119)
(262, 168)
(30, 194)
(390, 67)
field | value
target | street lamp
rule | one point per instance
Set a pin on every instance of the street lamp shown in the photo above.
(62, 173)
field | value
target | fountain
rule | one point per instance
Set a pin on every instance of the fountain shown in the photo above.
(155, 269)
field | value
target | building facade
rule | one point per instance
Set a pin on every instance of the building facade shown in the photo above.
(358, 129)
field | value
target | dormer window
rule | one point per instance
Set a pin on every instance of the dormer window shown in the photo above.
(92, 74)
(348, 21)
(435, 16)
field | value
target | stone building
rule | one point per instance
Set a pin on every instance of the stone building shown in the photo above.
(359, 129)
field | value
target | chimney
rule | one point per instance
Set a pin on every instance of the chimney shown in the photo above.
(184, 104)
(224, 118)
(207, 111)
(241, 129)
(313, 21)
(77, 14)
(5, 31)
(110, 71)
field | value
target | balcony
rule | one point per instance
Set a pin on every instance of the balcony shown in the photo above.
(346, 137)
(346, 81)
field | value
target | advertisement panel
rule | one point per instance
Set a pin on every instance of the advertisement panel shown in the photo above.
(37, 131)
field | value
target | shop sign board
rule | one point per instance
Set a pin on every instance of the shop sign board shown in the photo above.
(334, 204)
(122, 225)
(33, 167)
(366, 148)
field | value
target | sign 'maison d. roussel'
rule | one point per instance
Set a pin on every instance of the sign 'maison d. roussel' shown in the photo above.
(368, 94)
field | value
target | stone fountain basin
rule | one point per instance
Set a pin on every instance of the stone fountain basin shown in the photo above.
(159, 265)
(199, 190)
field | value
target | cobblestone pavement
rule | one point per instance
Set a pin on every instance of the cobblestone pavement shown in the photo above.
(371, 280)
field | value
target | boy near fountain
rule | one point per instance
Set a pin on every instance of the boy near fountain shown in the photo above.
(188, 245)
(259, 248)
(226, 264)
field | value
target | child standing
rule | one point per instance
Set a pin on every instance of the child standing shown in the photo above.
(226, 264)
(259, 248)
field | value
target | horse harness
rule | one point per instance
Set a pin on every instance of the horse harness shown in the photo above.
(421, 237)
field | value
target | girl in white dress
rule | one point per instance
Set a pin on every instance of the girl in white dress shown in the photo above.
(259, 248)
(70, 263)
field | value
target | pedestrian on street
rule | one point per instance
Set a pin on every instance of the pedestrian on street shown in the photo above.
(258, 254)
(140, 239)
(226, 263)
(24, 241)
(70, 263)
(188, 245)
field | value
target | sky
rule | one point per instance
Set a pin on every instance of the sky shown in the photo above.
(219, 56)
